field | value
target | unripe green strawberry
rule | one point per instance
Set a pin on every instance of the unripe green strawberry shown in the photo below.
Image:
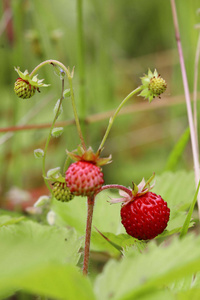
(146, 216)
(153, 85)
(26, 85)
(157, 85)
(23, 89)
(61, 192)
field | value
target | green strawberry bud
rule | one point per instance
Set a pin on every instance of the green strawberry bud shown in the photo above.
(42, 201)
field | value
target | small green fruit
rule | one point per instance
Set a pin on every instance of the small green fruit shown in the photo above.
(23, 89)
(61, 192)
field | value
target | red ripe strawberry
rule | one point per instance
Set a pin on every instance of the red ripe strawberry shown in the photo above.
(146, 216)
(143, 214)
(84, 177)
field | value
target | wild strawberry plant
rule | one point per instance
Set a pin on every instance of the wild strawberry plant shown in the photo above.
(142, 236)
(144, 215)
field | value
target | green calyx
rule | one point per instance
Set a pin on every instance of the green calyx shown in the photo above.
(88, 155)
(143, 187)
(153, 85)
(35, 82)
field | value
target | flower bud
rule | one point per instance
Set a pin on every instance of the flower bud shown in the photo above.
(43, 200)
(52, 173)
(67, 93)
(56, 108)
(39, 153)
(57, 131)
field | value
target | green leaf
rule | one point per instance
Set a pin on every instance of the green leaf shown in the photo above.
(28, 246)
(74, 213)
(56, 281)
(177, 189)
(189, 215)
(139, 275)
(7, 220)
(177, 151)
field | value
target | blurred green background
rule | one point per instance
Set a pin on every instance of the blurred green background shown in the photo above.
(122, 39)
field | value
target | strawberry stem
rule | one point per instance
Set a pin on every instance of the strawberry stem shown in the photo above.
(90, 203)
(118, 187)
(69, 76)
(111, 121)
(49, 137)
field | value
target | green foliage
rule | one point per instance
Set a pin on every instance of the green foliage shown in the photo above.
(141, 275)
(177, 151)
(30, 252)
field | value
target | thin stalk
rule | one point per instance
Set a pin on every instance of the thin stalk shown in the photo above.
(195, 87)
(49, 137)
(187, 98)
(75, 114)
(90, 209)
(111, 121)
(81, 61)
(69, 76)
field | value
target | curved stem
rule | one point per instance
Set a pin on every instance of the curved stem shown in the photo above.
(116, 186)
(49, 137)
(49, 62)
(90, 203)
(69, 76)
(111, 121)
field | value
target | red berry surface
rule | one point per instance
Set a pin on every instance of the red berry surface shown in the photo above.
(146, 216)
(84, 178)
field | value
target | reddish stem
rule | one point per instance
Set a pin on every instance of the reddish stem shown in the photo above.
(90, 203)
(118, 187)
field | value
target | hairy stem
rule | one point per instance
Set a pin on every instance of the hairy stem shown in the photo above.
(90, 208)
(111, 121)
(116, 186)
(187, 98)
